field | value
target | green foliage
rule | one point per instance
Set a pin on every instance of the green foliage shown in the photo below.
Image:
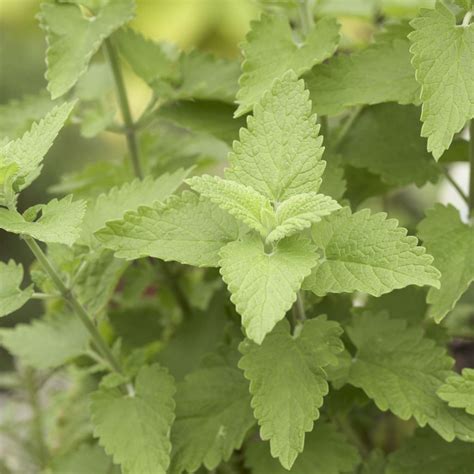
(458, 391)
(12, 297)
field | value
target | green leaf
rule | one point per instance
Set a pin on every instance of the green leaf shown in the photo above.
(264, 285)
(243, 202)
(386, 140)
(46, 343)
(458, 391)
(148, 59)
(300, 211)
(368, 253)
(85, 458)
(443, 56)
(186, 228)
(379, 73)
(450, 241)
(426, 453)
(12, 297)
(213, 414)
(59, 222)
(326, 452)
(73, 37)
(26, 154)
(288, 383)
(270, 51)
(134, 429)
(334, 183)
(128, 197)
(401, 371)
(279, 154)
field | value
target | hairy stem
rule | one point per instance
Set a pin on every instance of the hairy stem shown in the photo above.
(72, 301)
(454, 184)
(471, 162)
(37, 427)
(113, 59)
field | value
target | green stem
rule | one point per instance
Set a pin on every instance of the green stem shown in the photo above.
(175, 288)
(345, 128)
(454, 184)
(72, 301)
(37, 427)
(113, 59)
(306, 16)
(471, 162)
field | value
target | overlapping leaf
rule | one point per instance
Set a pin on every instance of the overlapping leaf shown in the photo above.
(458, 391)
(12, 297)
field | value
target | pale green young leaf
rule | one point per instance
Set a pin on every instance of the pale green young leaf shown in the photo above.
(128, 197)
(73, 38)
(379, 73)
(443, 56)
(401, 370)
(334, 183)
(288, 383)
(386, 140)
(46, 343)
(300, 211)
(270, 51)
(427, 453)
(243, 202)
(213, 415)
(326, 451)
(458, 391)
(12, 297)
(368, 253)
(135, 430)
(186, 228)
(26, 154)
(279, 154)
(451, 242)
(148, 59)
(59, 221)
(263, 285)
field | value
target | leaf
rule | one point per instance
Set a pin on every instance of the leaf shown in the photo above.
(279, 154)
(334, 183)
(298, 213)
(85, 458)
(12, 297)
(148, 59)
(367, 253)
(385, 139)
(134, 430)
(326, 452)
(401, 371)
(443, 56)
(458, 391)
(186, 228)
(59, 222)
(26, 153)
(213, 414)
(128, 197)
(243, 202)
(288, 383)
(380, 73)
(426, 453)
(73, 37)
(450, 241)
(270, 51)
(263, 285)
(46, 343)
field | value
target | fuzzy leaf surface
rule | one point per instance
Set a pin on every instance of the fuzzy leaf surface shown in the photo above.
(12, 297)
(135, 430)
(401, 370)
(270, 51)
(458, 391)
(369, 253)
(187, 228)
(288, 383)
(73, 38)
(264, 286)
(279, 154)
(451, 242)
(443, 56)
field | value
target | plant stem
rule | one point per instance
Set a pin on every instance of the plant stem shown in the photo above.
(175, 288)
(299, 305)
(345, 128)
(454, 184)
(72, 301)
(306, 16)
(113, 59)
(37, 419)
(471, 162)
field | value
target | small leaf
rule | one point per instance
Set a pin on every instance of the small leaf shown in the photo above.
(458, 391)
(11, 296)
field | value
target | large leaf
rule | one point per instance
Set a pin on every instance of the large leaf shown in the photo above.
(368, 253)
(12, 297)
(288, 383)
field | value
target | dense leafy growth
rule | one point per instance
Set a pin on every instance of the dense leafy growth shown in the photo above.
(236, 295)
